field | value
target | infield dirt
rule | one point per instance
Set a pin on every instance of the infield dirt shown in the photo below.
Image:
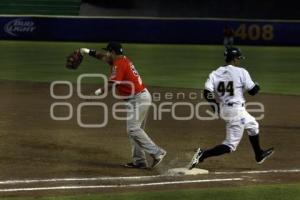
(32, 145)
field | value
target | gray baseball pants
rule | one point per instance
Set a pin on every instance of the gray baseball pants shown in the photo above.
(141, 143)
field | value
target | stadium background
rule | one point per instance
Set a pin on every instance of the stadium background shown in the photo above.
(174, 45)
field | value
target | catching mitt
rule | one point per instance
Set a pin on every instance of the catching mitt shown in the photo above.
(74, 60)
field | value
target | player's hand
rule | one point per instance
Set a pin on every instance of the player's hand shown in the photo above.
(84, 51)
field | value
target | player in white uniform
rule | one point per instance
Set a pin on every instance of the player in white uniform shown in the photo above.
(227, 84)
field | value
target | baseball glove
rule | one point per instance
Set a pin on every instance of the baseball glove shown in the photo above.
(74, 60)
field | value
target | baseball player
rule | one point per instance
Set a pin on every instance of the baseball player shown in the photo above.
(224, 89)
(138, 100)
(228, 36)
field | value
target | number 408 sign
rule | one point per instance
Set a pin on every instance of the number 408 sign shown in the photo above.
(255, 32)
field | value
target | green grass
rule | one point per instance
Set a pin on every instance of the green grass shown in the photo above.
(273, 192)
(275, 68)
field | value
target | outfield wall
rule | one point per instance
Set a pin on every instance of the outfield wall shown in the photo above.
(248, 9)
(148, 30)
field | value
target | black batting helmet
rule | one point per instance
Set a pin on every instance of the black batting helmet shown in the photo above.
(231, 53)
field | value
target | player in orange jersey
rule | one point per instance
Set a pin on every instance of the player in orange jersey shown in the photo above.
(129, 85)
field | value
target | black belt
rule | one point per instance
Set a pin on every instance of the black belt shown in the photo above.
(232, 104)
(135, 95)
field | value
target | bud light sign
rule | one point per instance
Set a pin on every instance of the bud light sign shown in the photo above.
(19, 26)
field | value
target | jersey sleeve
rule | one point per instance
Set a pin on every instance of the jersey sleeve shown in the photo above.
(248, 83)
(118, 73)
(209, 84)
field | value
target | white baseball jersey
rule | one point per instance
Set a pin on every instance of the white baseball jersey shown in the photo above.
(229, 83)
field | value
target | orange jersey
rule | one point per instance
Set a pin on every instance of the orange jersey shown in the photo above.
(124, 71)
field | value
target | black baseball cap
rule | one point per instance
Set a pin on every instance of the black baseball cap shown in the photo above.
(233, 52)
(114, 46)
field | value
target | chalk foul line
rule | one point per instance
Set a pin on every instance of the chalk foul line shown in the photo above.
(72, 187)
(125, 178)
(128, 178)
(262, 171)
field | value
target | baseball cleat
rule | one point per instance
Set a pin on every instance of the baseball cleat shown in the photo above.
(265, 154)
(196, 158)
(157, 161)
(136, 166)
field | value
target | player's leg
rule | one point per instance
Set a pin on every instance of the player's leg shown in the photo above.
(133, 127)
(234, 131)
(202, 154)
(143, 142)
(252, 127)
(215, 151)
(225, 42)
(138, 155)
(234, 134)
(230, 41)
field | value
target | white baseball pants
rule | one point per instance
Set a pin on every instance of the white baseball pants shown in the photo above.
(237, 120)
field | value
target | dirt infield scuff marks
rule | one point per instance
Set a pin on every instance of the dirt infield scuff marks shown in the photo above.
(118, 186)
